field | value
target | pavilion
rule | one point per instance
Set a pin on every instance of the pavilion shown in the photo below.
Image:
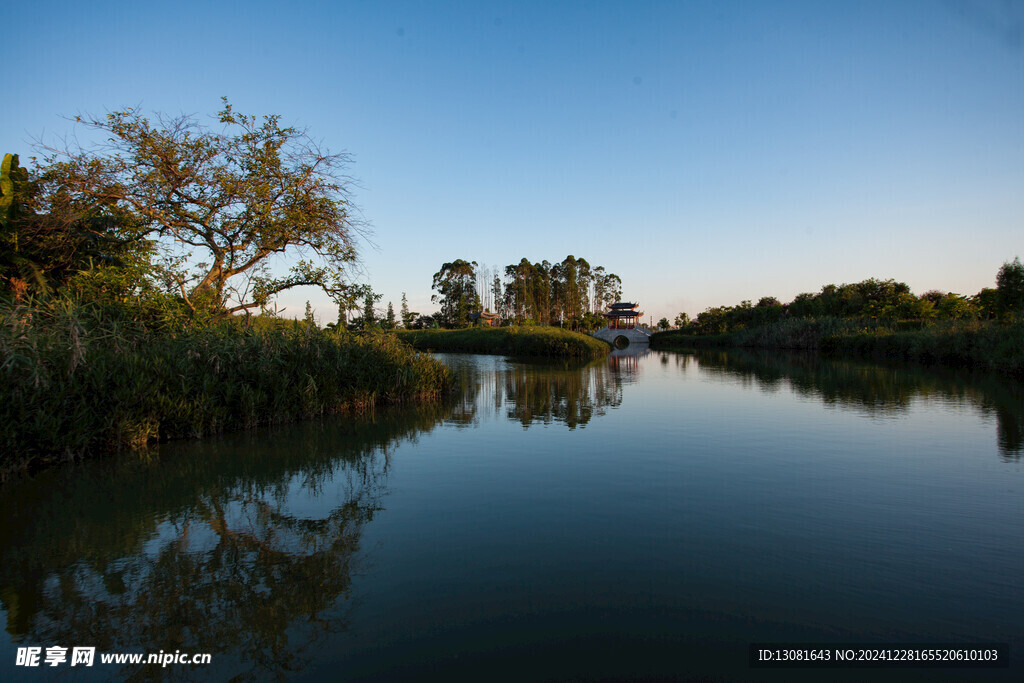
(623, 315)
(491, 319)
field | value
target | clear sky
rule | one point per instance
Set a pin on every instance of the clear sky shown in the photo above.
(706, 152)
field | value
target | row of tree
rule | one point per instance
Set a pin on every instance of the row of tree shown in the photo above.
(359, 312)
(885, 300)
(570, 293)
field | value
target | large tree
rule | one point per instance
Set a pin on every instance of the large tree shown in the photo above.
(222, 203)
(457, 295)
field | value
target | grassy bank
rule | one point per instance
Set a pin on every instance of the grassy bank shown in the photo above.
(509, 341)
(984, 345)
(76, 380)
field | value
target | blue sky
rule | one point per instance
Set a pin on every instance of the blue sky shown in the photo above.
(707, 152)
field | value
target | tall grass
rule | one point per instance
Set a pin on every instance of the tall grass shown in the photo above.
(509, 341)
(77, 380)
(985, 345)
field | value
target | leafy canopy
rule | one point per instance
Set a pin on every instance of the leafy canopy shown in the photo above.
(222, 204)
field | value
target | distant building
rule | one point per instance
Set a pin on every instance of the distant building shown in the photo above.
(491, 319)
(623, 315)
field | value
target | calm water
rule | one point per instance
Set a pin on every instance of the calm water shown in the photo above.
(646, 516)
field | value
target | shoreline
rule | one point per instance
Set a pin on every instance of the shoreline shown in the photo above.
(988, 345)
(523, 342)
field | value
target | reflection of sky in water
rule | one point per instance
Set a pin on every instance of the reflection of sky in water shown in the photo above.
(576, 521)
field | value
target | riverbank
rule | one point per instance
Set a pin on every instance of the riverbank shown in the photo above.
(550, 342)
(983, 345)
(75, 382)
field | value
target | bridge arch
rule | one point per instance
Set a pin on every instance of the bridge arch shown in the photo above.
(633, 336)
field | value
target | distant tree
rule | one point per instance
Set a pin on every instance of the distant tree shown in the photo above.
(592, 321)
(612, 288)
(369, 313)
(389, 319)
(342, 316)
(519, 290)
(222, 204)
(987, 301)
(457, 293)
(663, 324)
(1010, 288)
(496, 294)
(956, 307)
(407, 316)
(682, 320)
(309, 318)
(805, 305)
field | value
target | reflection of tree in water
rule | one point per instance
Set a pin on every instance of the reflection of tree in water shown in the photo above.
(877, 389)
(567, 393)
(626, 362)
(201, 552)
(1005, 400)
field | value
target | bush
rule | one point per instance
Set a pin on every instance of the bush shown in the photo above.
(78, 380)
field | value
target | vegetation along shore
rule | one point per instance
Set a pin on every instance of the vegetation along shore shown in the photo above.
(81, 380)
(875, 319)
(509, 341)
(137, 289)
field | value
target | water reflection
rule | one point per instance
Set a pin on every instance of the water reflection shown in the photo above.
(237, 546)
(536, 392)
(875, 390)
(626, 362)
(248, 546)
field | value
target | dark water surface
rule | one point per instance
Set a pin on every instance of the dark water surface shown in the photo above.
(642, 517)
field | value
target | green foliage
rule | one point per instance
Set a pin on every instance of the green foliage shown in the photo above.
(1010, 289)
(220, 204)
(369, 318)
(408, 317)
(558, 294)
(51, 242)
(81, 379)
(9, 172)
(509, 341)
(871, 300)
(987, 303)
(456, 292)
(972, 343)
(591, 322)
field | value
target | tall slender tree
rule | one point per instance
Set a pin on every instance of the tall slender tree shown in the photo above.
(408, 317)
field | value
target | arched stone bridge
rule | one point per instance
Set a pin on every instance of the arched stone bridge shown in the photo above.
(633, 336)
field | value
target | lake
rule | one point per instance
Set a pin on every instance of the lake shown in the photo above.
(646, 516)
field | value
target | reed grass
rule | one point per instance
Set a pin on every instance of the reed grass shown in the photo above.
(78, 380)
